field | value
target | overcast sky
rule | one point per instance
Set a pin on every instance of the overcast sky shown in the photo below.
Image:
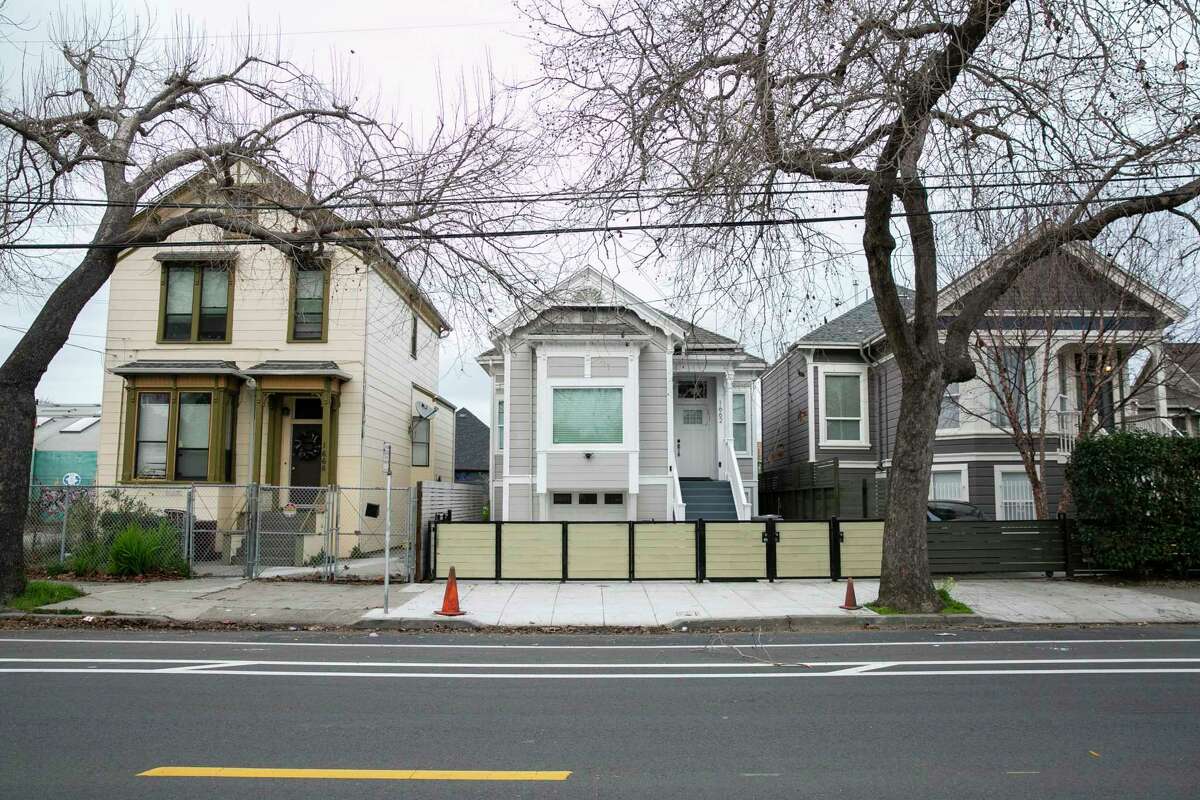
(403, 47)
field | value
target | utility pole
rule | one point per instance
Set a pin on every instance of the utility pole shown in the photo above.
(387, 526)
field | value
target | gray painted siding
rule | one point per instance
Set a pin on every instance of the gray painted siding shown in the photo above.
(497, 509)
(605, 367)
(576, 471)
(518, 411)
(564, 367)
(652, 409)
(981, 483)
(652, 502)
(784, 414)
(520, 502)
(746, 469)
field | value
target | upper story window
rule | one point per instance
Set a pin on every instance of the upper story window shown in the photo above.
(420, 442)
(1014, 385)
(588, 416)
(741, 423)
(412, 345)
(500, 425)
(843, 403)
(196, 298)
(308, 312)
(949, 416)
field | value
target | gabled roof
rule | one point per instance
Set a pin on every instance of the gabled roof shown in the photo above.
(1180, 373)
(298, 197)
(858, 325)
(471, 442)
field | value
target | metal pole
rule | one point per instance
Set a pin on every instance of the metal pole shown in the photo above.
(62, 539)
(387, 527)
(251, 536)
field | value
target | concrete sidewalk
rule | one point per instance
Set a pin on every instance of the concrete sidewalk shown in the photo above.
(676, 604)
(611, 604)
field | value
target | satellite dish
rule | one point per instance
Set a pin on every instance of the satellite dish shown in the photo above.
(424, 410)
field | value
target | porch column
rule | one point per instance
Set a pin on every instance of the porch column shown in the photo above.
(1160, 382)
(326, 434)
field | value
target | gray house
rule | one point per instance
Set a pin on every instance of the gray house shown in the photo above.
(831, 401)
(605, 408)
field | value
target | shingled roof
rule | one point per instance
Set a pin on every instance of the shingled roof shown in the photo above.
(471, 441)
(857, 325)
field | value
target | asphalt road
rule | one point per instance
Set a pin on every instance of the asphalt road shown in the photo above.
(1093, 713)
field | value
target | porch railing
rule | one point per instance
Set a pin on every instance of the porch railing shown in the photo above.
(733, 473)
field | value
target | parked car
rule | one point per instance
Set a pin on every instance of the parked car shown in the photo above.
(947, 510)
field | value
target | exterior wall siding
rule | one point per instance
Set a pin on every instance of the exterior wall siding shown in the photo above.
(652, 409)
(576, 471)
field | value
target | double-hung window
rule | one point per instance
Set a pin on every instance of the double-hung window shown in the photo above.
(196, 297)
(308, 316)
(420, 442)
(588, 416)
(500, 425)
(741, 423)
(1014, 494)
(948, 482)
(152, 435)
(949, 416)
(1014, 386)
(843, 396)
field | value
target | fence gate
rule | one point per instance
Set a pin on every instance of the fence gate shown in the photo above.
(292, 528)
(737, 550)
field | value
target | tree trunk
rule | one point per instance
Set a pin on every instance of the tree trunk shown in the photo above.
(19, 378)
(905, 582)
(17, 416)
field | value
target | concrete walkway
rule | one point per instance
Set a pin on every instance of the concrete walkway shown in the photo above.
(676, 604)
(615, 604)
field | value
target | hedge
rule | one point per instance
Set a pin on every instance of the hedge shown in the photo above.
(1137, 496)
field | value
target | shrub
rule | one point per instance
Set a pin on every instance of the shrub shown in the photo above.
(1139, 510)
(138, 550)
(89, 558)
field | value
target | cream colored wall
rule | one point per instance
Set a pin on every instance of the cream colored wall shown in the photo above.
(259, 333)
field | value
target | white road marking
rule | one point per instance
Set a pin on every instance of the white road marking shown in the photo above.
(610, 675)
(866, 667)
(697, 647)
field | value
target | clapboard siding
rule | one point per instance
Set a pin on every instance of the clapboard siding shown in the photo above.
(652, 410)
(577, 471)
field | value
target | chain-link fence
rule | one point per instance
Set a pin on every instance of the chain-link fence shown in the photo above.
(109, 530)
(258, 531)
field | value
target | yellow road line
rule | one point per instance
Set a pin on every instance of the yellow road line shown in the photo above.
(357, 774)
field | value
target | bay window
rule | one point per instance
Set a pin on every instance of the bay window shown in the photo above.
(949, 416)
(1014, 386)
(587, 416)
(180, 435)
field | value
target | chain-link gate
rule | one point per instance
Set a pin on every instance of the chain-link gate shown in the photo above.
(360, 532)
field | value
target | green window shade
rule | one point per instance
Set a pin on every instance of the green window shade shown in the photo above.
(308, 316)
(214, 303)
(741, 426)
(191, 437)
(150, 460)
(587, 416)
(177, 316)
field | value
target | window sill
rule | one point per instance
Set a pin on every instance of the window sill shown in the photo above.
(844, 446)
(188, 342)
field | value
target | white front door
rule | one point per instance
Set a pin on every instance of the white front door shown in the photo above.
(695, 439)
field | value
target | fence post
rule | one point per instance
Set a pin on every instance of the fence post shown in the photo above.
(564, 551)
(333, 530)
(701, 554)
(251, 544)
(1064, 529)
(499, 545)
(189, 527)
(631, 525)
(62, 536)
(771, 537)
(835, 548)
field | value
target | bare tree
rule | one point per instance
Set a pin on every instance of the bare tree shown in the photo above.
(116, 115)
(1040, 123)
(1054, 354)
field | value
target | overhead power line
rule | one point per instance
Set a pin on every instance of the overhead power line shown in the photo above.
(551, 231)
(568, 195)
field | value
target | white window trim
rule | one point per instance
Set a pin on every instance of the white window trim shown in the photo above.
(1002, 469)
(576, 383)
(964, 489)
(749, 426)
(963, 416)
(864, 440)
(499, 423)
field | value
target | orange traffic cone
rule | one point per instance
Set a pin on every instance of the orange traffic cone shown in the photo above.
(851, 602)
(450, 600)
